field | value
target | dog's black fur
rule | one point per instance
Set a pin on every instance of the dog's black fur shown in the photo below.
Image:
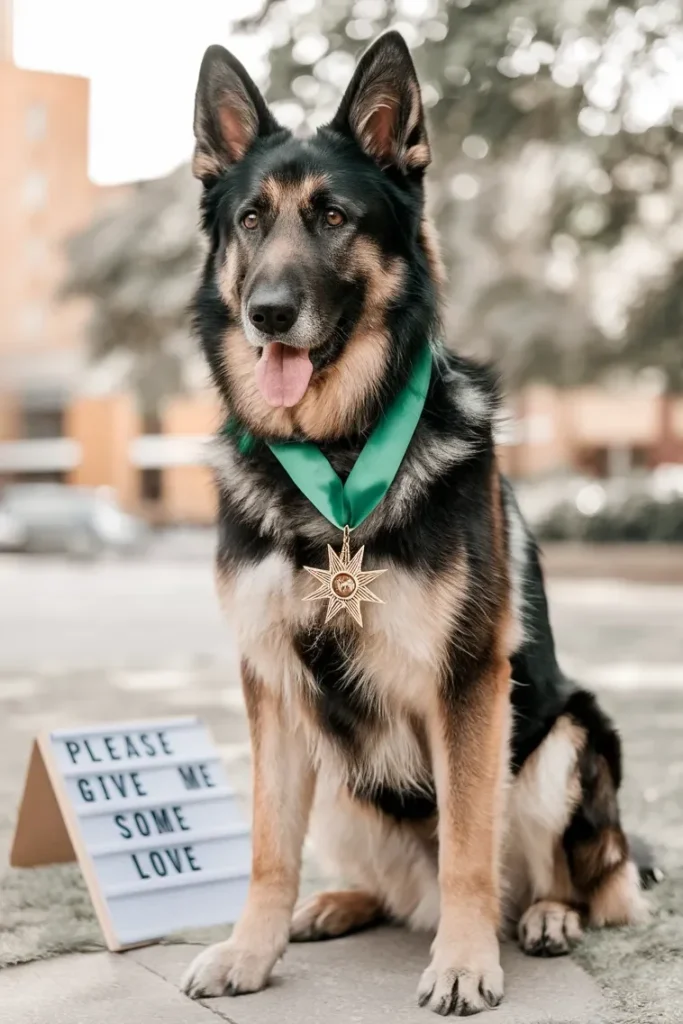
(322, 246)
(454, 509)
(448, 499)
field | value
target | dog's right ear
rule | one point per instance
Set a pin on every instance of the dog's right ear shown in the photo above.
(229, 114)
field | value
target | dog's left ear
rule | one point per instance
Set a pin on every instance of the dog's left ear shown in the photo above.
(382, 107)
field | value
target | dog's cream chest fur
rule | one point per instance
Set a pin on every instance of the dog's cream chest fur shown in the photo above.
(396, 658)
(398, 652)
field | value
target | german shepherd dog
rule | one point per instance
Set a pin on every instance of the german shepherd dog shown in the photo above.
(457, 779)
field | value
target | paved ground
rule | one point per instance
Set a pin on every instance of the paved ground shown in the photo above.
(86, 643)
(360, 980)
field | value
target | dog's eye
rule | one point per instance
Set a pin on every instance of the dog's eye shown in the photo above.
(250, 220)
(334, 218)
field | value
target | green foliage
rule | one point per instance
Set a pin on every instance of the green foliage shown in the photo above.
(591, 81)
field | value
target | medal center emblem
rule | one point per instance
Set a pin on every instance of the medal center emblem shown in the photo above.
(344, 585)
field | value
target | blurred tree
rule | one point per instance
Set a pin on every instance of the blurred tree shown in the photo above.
(554, 126)
(653, 338)
(137, 265)
(549, 121)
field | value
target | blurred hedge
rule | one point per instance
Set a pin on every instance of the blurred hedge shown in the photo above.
(640, 519)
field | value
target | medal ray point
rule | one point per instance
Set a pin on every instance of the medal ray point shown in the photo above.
(334, 606)
(353, 567)
(367, 577)
(354, 610)
(336, 564)
(321, 575)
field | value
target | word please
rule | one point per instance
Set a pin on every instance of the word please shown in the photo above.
(118, 748)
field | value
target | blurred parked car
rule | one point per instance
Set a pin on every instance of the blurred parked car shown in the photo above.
(79, 521)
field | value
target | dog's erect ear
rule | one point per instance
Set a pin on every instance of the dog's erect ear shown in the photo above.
(382, 107)
(229, 114)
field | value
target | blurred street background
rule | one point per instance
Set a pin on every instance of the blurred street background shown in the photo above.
(557, 189)
(556, 185)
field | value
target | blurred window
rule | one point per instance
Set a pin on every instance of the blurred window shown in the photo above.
(37, 422)
(151, 484)
(151, 478)
(36, 122)
(35, 190)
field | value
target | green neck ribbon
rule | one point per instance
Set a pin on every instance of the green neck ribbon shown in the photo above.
(351, 503)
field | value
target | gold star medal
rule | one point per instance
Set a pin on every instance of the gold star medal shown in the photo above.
(344, 585)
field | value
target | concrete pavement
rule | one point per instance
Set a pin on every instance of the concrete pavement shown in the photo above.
(88, 643)
(363, 979)
(58, 617)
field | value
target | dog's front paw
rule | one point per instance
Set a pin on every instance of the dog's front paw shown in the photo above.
(227, 968)
(460, 982)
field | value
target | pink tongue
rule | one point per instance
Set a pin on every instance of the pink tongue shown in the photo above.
(283, 373)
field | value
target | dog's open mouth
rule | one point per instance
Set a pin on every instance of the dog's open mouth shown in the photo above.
(283, 373)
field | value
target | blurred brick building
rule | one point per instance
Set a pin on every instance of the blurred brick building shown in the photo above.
(45, 195)
(53, 426)
(592, 430)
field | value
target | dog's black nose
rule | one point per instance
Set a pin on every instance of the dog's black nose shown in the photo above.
(273, 310)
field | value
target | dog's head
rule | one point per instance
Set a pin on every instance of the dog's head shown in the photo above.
(320, 274)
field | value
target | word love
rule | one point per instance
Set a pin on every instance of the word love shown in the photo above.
(173, 861)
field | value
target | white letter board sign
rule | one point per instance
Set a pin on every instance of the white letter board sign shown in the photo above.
(146, 809)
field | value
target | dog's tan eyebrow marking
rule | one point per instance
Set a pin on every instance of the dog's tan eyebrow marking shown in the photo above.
(271, 192)
(293, 194)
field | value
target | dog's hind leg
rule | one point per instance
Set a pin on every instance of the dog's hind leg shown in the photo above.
(542, 801)
(328, 915)
(390, 868)
(568, 857)
(600, 863)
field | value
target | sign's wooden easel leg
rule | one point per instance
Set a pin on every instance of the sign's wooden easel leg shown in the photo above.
(41, 836)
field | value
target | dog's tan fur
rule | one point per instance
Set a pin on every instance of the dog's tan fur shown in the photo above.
(494, 849)
(331, 914)
(401, 661)
(542, 802)
(292, 197)
(493, 840)
(430, 243)
(283, 785)
(334, 402)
